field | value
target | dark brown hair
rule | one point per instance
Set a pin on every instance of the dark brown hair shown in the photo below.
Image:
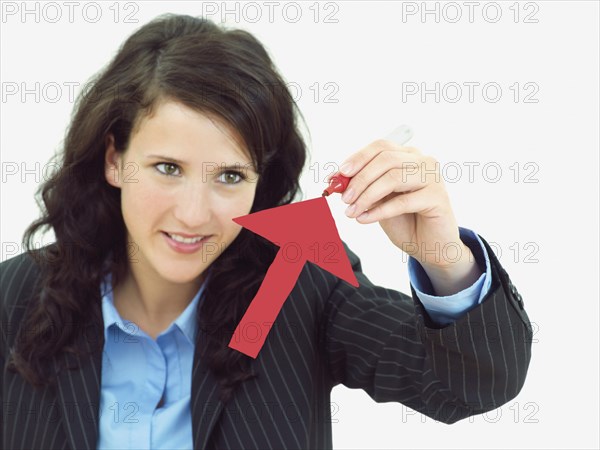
(226, 74)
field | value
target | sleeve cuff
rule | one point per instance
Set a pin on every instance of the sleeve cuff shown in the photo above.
(446, 309)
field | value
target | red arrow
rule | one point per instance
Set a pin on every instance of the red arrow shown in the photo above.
(304, 231)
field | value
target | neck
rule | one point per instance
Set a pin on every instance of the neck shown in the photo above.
(151, 300)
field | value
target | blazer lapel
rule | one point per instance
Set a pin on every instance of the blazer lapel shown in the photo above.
(206, 406)
(78, 391)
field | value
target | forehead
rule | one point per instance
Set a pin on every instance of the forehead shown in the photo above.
(175, 128)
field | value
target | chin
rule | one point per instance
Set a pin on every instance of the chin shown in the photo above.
(180, 273)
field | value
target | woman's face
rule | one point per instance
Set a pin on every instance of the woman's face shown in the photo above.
(182, 174)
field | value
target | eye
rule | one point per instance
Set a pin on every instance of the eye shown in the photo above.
(234, 173)
(168, 172)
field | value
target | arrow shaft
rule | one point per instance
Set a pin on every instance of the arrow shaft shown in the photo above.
(252, 331)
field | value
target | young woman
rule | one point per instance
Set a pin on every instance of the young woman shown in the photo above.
(116, 335)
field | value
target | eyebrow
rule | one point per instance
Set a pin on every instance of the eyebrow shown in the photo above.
(236, 166)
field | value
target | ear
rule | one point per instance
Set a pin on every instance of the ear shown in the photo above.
(112, 162)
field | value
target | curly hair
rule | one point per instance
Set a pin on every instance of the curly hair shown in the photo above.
(226, 73)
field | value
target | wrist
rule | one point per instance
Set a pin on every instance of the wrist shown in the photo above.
(455, 276)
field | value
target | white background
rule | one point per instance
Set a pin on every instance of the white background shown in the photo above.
(546, 230)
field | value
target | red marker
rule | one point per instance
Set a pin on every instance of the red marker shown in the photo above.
(337, 183)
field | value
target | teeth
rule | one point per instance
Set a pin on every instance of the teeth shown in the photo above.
(185, 240)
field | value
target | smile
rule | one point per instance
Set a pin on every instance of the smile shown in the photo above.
(184, 245)
(185, 240)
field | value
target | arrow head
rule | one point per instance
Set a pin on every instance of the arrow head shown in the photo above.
(304, 231)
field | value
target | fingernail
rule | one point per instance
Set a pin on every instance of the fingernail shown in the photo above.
(346, 168)
(348, 195)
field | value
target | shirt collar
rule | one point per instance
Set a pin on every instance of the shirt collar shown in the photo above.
(186, 321)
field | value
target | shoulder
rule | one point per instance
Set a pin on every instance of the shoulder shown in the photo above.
(19, 278)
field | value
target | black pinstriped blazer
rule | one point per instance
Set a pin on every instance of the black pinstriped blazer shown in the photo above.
(328, 332)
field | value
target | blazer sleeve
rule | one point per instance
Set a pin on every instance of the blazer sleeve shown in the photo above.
(383, 341)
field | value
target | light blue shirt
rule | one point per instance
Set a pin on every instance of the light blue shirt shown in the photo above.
(137, 370)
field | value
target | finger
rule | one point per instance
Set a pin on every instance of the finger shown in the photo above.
(399, 163)
(411, 202)
(393, 182)
(355, 162)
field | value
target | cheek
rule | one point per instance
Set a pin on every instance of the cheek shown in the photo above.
(236, 205)
(141, 201)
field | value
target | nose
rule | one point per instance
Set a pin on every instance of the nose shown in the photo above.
(193, 206)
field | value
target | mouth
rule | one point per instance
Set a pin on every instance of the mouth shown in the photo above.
(184, 245)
